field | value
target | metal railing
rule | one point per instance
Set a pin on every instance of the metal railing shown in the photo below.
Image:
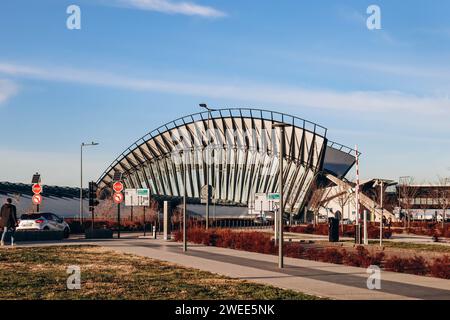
(341, 147)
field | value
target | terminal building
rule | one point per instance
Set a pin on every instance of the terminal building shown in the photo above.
(236, 151)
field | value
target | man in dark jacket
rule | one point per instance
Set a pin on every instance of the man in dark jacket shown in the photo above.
(8, 220)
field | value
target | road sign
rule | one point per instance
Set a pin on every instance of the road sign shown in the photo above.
(143, 197)
(118, 186)
(261, 202)
(117, 176)
(137, 197)
(131, 197)
(37, 188)
(118, 197)
(36, 199)
(273, 197)
(36, 178)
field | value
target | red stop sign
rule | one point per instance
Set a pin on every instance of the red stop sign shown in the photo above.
(118, 186)
(37, 188)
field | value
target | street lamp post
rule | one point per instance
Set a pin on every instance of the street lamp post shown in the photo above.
(282, 127)
(383, 184)
(205, 106)
(358, 228)
(81, 176)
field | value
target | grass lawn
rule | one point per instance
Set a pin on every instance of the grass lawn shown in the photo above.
(414, 246)
(407, 245)
(40, 273)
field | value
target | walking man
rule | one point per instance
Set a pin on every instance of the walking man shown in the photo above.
(8, 220)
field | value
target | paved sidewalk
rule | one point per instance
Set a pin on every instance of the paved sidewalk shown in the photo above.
(312, 277)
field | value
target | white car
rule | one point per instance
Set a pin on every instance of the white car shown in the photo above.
(43, 221)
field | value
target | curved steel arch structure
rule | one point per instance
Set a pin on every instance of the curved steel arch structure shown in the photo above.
(237, 148)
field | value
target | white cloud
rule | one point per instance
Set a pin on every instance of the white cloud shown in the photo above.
(367, 101)
(171, 7)
(414, 70)
(7, 90)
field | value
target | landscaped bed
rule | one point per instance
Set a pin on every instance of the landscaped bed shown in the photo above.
(358, 257)
(41, 273)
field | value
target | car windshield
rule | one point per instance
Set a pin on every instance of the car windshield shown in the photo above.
(31, 216)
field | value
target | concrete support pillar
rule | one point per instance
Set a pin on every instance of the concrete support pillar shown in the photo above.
(305, 215)
(166, 221)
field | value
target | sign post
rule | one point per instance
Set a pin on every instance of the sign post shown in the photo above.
(118, 221)
(358, 228)
(118, 199)
(138, 198)
(37, 198)
(144, 200)
(274, 200)
(281, 190)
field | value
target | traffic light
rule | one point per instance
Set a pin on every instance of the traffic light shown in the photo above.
(93, 195)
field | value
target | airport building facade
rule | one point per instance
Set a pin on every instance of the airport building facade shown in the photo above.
(236, 151)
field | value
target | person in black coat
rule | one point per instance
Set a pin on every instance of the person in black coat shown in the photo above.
(8, 220)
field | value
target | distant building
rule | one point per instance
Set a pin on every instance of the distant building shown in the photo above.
(340, 201)
(63, 201)
(423, 202)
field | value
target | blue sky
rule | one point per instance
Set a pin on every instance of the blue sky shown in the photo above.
(136, 64)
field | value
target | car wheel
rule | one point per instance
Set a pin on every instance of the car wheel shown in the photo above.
(66, 233)
(46, 228)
